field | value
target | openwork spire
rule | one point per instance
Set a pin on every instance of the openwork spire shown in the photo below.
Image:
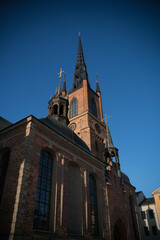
(80, 68)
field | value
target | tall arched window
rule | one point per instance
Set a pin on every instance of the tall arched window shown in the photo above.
(93, 107)
(74, 108)
(74, 201)
(55, 109)
(93, 206)
(43, 197)
(3, 170)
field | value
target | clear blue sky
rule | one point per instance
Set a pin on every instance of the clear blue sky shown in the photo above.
(121, 44)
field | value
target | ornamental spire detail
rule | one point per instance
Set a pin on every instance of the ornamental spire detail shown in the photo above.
(80, 68)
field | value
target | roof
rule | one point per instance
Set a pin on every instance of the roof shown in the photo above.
(148, 201)
(4, 123)
(125, 178)
(137, 193)
(64, 131)
(157, 191)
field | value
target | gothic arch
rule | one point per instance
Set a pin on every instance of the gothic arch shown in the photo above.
(120, 232)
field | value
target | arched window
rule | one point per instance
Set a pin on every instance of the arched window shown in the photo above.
(74, 108)
(3, 170)
(55, 109)
(74, 201)
(61, 109)
(93, 206)
(43, 196)
(93, 107)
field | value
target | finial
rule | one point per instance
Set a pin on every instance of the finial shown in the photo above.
(60, 73)
(79, 34)
(106, 118)
(51, 97)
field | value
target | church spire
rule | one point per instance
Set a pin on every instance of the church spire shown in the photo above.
(97, 85)
(59, 88)
(109, 142)
(80, 68)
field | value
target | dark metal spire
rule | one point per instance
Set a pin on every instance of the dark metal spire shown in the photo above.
(64, 84)
(80, 68)
(59, 88)
(97, 85)
(109, 142)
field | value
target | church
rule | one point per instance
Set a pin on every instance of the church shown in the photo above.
(60, 176)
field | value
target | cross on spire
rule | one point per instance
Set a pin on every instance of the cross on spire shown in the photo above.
(60, 73)
(106, 118)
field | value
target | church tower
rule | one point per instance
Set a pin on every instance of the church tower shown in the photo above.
(58, 104)
(85, 108)
(111, 152)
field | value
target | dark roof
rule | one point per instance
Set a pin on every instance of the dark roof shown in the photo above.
(64, 131)
(109, 142)
(4, 123)
(137, 193)
(147, 201)
(125, 178)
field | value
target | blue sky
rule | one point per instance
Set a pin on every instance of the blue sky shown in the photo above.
(121, 44)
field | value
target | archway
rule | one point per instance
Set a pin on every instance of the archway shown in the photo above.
(120, 232)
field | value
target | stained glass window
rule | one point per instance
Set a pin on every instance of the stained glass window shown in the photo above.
(3, 170)
(42, 206)
(93, 107)
(93, 206)
(74, 108)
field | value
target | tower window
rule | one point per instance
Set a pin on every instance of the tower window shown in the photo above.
(93, 107)
(55, 109)
(3, 170)
(42, 205)
(151, 215)
(61, 109)
(143, 214)
(74, 108)
(93, 206)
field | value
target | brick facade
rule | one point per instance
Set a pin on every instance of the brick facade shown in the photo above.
(115, 202)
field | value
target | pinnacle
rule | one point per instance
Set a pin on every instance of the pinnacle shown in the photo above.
(64, 84)
(97, 85)
(109, 142)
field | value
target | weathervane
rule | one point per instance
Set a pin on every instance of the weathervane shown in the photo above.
(106, 118)
(60, 73)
